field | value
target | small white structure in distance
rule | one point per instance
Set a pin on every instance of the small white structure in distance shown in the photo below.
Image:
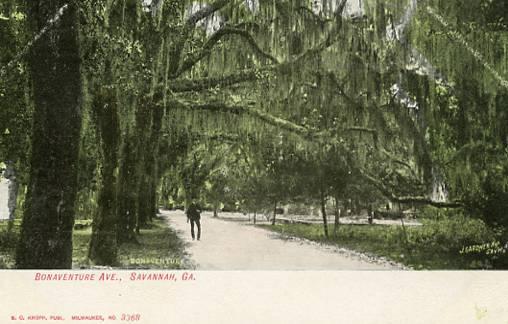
(354, 8)
(4, 198)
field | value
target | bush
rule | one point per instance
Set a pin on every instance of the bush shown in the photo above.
(448, 241)
(456, 236)
(8, 240)
(451, 234)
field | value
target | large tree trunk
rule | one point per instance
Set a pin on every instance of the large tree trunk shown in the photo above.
(152, 163)
(152, 201)
(127, 190)
(46, 230)
(143, 204)
(143, 126)
(131, 161)
(103, 244)
(148, 188)
(148, 127)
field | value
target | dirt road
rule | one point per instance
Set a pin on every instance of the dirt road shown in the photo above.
(227, 245)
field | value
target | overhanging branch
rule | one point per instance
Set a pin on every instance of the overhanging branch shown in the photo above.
(185, 85)
(399, 161)
(315, 17)
(24, 51)
(206, 11)
(457, 37)
(214, 39)
(189, 26)
(359, 129)
(308, 135)
(240, 110)
(421, 200)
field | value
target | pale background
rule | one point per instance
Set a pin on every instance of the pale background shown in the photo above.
(270, 297)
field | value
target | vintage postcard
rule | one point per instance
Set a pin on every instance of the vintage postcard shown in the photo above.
(231, 161)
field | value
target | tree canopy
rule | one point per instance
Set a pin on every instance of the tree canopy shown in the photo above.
(251, 103)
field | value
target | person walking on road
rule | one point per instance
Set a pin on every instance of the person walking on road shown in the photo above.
(194, 216)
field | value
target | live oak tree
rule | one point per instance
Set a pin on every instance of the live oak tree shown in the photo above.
(55, 69)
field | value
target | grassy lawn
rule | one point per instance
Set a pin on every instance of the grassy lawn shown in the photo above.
(8, 244)
(435, 245)
(159, 248)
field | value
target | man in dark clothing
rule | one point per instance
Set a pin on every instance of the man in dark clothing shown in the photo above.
(194, 216)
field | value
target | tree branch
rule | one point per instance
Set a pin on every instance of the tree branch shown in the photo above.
(457, 37)
(214, 39)
(314, 16)
(240, 110)
(426, 201)
(309, 135)
(185, 85)
(189, 26)
(399, 161)
(362, 130)
(24, 51)
(408, 199)
(342, 92)
(205, 12)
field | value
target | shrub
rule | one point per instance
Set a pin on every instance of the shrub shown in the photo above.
(8, 240)
(451, 234)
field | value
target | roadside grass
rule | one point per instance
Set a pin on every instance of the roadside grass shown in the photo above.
(159, 248)
(8, 241)
(436, 245)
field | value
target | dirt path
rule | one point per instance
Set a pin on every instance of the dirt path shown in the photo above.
(227, 245)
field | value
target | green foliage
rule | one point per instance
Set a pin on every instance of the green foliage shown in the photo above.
(15, 108)
(450, 234)
(448, 243)
(488, 255)
(8, 239)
